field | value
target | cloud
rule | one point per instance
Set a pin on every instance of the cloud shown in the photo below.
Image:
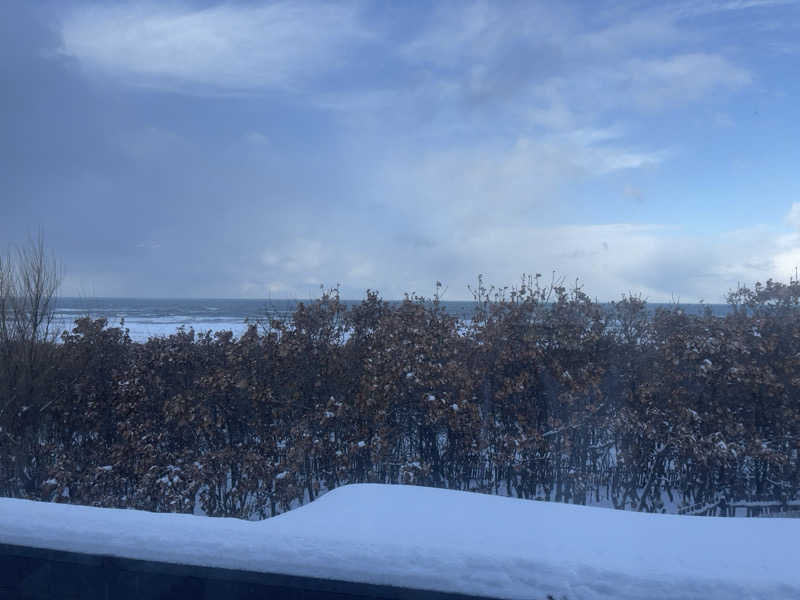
(538, 60)
(473, 33)
(712, 6)
(149, 245)
(636, 33)
(638, 58)
(494, 181)
(224, 48)
(679, 79)
(645, 85)
(787, 263)
(608, 159)
(745, 4)
(409, 153)
(659, 262)
(793, 216)
(256, 138)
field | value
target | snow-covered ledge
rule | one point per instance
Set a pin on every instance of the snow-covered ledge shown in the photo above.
(432, 539)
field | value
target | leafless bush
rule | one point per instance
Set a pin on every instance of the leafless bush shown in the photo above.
(29, 279)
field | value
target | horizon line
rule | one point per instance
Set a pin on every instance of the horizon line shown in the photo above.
(267, 300)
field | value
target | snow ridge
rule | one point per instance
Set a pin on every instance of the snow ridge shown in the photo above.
(447, 541)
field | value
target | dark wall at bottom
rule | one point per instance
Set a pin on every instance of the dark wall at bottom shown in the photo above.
(40, 574)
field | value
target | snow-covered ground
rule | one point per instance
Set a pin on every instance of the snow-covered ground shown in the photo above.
(449, 541)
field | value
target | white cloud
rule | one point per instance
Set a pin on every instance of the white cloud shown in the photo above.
(745, 4)
(787, 263)
(548, 60)
(149, 245)
(434, 241)
(497, 181)
(468, 34)
(793, 217)
(639, 32)
(540, 61)
(693, 8)
(606, 159)
(466, 149)
(227, 48)
(679, 79)
(659, 262)
(256, 138)
(639, 86)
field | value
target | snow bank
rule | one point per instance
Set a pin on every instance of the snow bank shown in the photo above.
(449, 541)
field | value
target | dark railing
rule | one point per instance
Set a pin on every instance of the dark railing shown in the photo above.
(42, 574)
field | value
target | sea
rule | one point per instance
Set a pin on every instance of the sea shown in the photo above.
(153, 317)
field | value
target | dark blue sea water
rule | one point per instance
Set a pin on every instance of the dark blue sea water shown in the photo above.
(156, 317)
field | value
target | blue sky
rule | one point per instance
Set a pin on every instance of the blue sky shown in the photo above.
(262, 149)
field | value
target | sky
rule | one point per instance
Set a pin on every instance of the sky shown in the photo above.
(265, 149)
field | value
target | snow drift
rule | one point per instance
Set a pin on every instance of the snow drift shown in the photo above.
(448, 541)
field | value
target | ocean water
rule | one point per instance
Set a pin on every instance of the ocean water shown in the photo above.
(146, 318)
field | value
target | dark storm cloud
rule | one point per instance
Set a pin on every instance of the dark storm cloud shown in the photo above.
(142, 192)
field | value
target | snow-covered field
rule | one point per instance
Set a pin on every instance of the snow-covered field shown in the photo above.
(449, 541)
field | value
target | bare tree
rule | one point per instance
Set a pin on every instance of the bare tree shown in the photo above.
(30, 277)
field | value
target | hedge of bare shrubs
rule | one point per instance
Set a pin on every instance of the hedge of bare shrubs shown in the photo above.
(543, 393)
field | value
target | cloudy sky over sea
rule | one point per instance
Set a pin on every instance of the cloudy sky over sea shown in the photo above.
(260, 149)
